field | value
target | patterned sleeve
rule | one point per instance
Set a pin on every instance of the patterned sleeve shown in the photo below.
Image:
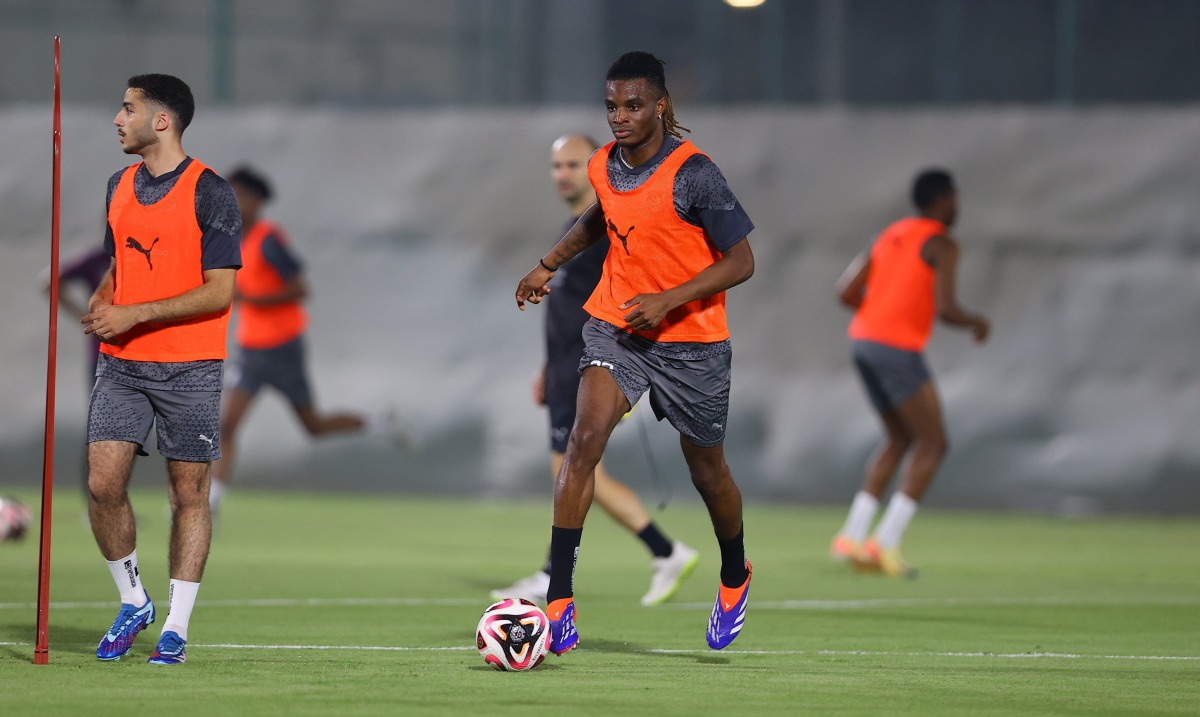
(703, 198)
(110, 242)
(220, 221)
(280, 256)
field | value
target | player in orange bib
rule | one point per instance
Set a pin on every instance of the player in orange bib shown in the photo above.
(161, 313)
(677, 241)
(270, 335)
(898, 289)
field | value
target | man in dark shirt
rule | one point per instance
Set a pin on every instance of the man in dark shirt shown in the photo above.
(161, 312)
(557, 387)
(658, 325)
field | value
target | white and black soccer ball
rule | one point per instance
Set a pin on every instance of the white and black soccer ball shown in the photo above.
(513, 635)
(15, 519)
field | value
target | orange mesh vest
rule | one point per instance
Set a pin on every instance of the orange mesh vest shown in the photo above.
(264, 327)
(898, 307)
(651, 250)
(157, 257)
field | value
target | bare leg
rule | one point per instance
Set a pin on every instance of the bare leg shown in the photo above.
(887, 458)
(922, 417)
(600, 407)
(191, 524)
(236, 402)
(620, 501)
(323, 424)
(711, 476)
(109, 466)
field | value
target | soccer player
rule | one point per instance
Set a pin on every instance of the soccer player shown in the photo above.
(557, 387)
(85, 272)
(677, 242)
(897, 289)
(161, 312)
(270, 334)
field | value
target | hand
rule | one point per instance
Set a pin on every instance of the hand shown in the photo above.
(107, 322)
(539, 388)
(534, 286)
(980, 329)
(651, 310)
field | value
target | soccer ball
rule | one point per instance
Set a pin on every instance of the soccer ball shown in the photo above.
(513, 635)
(15, 519)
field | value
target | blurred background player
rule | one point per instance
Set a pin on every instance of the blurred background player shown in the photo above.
(162, 312)
(77, 281)
(557, 387)
(658, 325)
(897, 289)
(271, 322)
(81, 277)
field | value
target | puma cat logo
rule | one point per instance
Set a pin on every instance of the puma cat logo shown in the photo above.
(131, 243)
(623, 237)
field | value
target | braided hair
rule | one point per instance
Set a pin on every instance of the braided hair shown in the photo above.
(644, 66)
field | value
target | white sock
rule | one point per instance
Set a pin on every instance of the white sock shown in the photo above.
(895, 519)
(129, 582)
(183, 599)
(216, 491)
(862, 512)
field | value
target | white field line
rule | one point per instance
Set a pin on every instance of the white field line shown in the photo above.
(882, 603)
(272, 602)
(813, 653)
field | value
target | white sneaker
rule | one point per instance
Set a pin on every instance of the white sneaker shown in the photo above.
(532, 588)
(669, 573)
(388, 424)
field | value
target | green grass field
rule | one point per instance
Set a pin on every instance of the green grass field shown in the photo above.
(367, 605)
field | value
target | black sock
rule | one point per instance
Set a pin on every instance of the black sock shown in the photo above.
(733, 561)
(564, 549)
(656, 542)
(546, 565)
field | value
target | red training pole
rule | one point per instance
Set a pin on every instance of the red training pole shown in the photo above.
(41, 650)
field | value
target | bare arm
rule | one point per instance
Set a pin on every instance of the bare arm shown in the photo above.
(734, 267)
(941, 253)
(108, 321)
(852, 284)
(588, 230)
(103, 295)
(294, 290)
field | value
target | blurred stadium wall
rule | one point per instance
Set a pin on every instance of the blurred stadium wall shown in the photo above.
(417, 212)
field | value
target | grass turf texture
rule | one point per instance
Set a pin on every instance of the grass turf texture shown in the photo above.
(997, 593)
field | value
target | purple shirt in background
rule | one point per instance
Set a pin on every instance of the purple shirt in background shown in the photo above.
(87, 270)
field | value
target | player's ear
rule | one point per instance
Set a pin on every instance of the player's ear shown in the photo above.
(162, 121)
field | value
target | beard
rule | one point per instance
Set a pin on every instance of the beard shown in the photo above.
(136, 141)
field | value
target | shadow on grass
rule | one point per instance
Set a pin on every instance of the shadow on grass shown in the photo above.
(72, 640)
(540, 668)
(620, 647)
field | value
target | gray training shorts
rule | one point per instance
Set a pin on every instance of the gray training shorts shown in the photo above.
(890, 375)
(181, 399)
(692, 394)
(281, 367)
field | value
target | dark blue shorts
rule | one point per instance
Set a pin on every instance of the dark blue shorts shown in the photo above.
(562, 394)
(890, 375)
(281, 367)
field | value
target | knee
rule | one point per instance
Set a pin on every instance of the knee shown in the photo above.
(898, 445)
(935, 446)
(710, 476)
(585, 446)
(104, 491)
